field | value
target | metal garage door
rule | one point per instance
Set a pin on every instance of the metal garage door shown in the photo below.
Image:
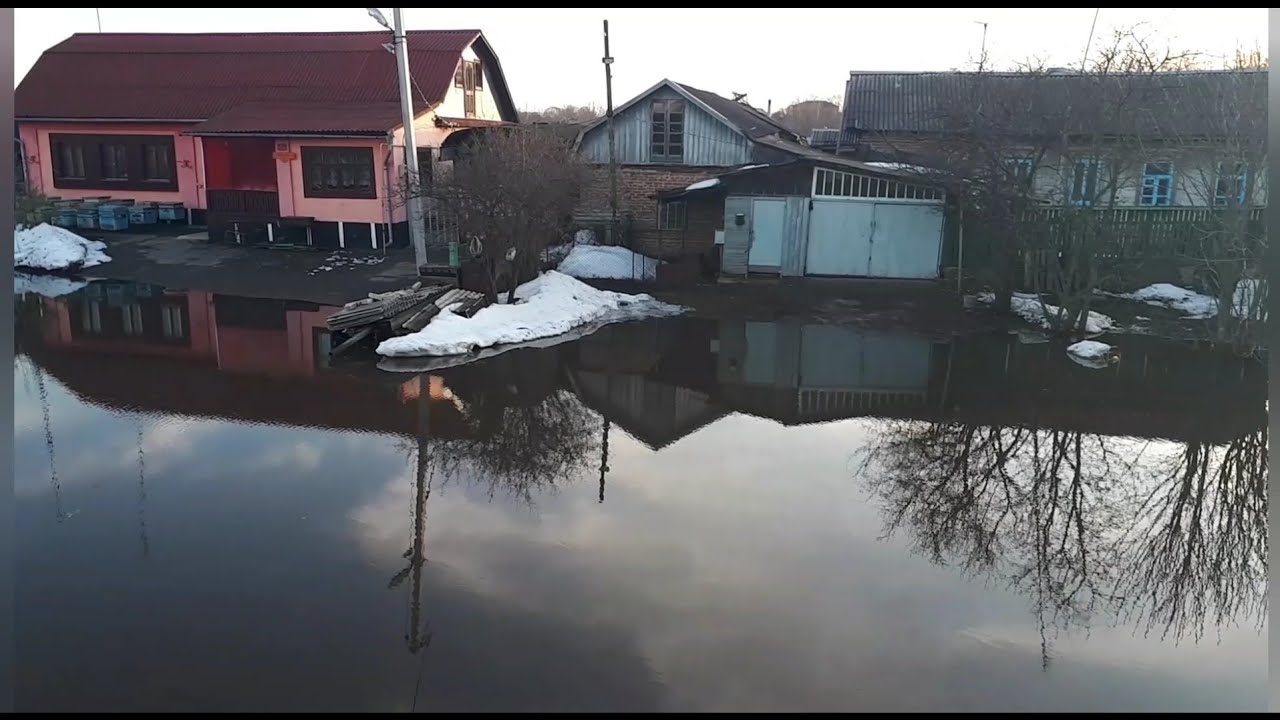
(874, 239)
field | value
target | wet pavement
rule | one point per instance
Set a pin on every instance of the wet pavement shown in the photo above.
(697, 513)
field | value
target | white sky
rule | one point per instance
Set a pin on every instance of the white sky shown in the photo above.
(552, 56)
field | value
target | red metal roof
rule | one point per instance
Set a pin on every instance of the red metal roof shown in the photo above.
(176, 76)
(277, 118)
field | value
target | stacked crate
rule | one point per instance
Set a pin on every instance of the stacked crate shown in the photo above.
(113, 215)
(143, 213)
(87, 214)
(171, 212)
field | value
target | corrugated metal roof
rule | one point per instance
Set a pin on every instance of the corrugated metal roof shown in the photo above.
(753, 122)
(303, 119)
(1153, 104)
(199, 76)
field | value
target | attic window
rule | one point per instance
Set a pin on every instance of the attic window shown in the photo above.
(667, 131)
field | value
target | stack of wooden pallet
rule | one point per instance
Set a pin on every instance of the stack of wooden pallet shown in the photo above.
(399, 312)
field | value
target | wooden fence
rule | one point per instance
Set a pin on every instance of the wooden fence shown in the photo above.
(1132, 242)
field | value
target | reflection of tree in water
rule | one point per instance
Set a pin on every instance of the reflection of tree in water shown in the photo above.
(1083, 522)
(1200, 552)
(522, 448)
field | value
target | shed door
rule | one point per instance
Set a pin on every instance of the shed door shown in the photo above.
(907, 240)
(839, 238)
(767, 227)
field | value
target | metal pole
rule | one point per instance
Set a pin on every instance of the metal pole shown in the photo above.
(97, 12)
(608, 113)
(413, 202)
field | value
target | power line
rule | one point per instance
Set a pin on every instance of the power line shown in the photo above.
(1089, 42)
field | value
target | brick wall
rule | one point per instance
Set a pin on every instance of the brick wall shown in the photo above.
(638, 188)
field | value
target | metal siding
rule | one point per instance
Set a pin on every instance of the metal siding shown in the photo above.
(839, 238)
(906, 241)
(707, 140)
(796, 236)
(737, 240)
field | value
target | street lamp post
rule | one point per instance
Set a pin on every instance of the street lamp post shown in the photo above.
(413, 200)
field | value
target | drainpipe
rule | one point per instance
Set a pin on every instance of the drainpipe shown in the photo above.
(388, 161)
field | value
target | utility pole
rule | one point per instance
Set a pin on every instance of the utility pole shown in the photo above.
(982, 54)
(613, 150)
(413, 201)
(97, 12)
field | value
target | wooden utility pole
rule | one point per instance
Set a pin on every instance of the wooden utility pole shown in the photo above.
(613, 150)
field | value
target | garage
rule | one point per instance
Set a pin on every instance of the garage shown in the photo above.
(861, 226)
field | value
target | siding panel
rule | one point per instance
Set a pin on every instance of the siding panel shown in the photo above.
(707, 140)
(795, 236)
(737, 239)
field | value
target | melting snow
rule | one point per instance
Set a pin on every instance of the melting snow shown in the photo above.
(1028, 307)
(704, 184)
(549, 305)
(48, 247)
(1090, 353)
(1189, 302)
(608, 262)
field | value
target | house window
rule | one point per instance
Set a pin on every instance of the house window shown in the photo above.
(132, 317)
(469, 75)
(157, 162)
(68, 161)
(1085, 182)
(1232, 185)
(113, 162)
(171, 322)
(338, 172)
(1019, 170)
(671, 215)
(667, 141)
(1157, 185)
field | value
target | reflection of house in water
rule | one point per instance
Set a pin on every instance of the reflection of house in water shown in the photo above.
(662, 381)
(204, 355)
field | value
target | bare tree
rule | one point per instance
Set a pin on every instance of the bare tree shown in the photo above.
(805, 116)
(511, 194)
(1040, 136)
(563, 114)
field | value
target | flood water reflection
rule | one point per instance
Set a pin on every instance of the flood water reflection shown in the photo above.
(683, 514)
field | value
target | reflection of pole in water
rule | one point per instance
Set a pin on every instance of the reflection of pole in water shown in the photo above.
(416, 553)
(142, 492)
(43, 391)
(604, 457)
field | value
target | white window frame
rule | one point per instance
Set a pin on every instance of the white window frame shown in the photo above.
(829, 184)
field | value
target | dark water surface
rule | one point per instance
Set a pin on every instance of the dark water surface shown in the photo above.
(672, 515)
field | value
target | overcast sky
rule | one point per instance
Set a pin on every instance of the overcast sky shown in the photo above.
(552, 56)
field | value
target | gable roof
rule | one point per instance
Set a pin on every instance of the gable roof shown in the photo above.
(748, 121)
(1153, 104)
(194, 77)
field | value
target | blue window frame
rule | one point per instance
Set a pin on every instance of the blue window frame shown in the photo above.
(1231, 185)
(1086, 178)
(1157, 185)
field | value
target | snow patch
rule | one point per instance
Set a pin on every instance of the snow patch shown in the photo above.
(338, 259)
(1188, 302)
(549, 305)
(704, 184)
(1091, 353)
(1028, 307)
(608, 262)
(585, 236)
(49, 247)
(50, 286)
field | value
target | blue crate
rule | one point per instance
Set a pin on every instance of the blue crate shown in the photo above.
(143, 215)
(87, 218)
(113, 217)
(172, 211)
(65, 217)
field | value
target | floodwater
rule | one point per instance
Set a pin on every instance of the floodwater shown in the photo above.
(672, 515)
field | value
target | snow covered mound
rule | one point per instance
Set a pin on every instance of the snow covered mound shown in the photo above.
(608, 262)
(1028, 307)
(48, 247)
(51, 286)
(1189, 302)
(550, 304)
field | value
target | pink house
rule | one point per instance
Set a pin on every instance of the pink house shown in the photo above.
(265, 137)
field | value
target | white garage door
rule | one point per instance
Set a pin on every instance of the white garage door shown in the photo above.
(866, 238)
